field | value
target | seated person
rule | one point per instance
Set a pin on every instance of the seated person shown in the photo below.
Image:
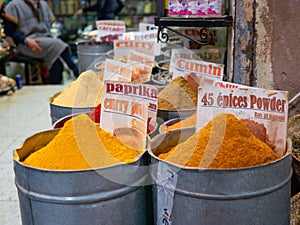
(28, 22)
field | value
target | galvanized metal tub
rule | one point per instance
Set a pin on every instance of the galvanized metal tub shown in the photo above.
(254, 195)
(163, 127)
(166, 115)
(61, 122)
(112, 195)
(88, 51)
(57, 111)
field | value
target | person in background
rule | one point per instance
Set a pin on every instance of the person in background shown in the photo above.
(28, 23)
(106, 9)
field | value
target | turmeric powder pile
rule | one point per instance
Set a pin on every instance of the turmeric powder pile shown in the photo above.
(225, 142)
(81, 144)
(178, 94)
(85, 91)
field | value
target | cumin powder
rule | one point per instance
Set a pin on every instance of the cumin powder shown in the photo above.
(85, 91)
(178, 94)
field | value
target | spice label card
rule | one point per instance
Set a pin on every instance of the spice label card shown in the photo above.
(116, 70)
(224, 84)
(147, 26)
(135, 56)
(195, 69)
(140, 35)
(216, 36)
(109, 30)
(126, 118)
(181, 53)
(123, 47)
(211, 54)
(140, 72)
(148, 35)
(142, 65)
(264, 110)
(167, 180)
(143, 92)
(202, 81)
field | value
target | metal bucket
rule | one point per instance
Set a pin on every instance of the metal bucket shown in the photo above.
(163, 127)
(110, 195)
(166, 115)
(254, 195)
(58, 112)
(88, 51)
(61, 122)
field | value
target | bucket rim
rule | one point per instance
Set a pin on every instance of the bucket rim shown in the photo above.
(171, 122)
(92, 42)
(67, 117)
(159, 63)
(177, 110)
(76, 171)
(56, 130)
(284, 157)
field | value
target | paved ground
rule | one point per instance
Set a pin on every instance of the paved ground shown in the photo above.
(23, 114)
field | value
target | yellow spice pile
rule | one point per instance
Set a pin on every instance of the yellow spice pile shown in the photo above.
(85, 91)
(225, 142)
(81, 144)
(178, 94)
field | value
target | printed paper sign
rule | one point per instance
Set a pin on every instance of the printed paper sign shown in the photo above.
(116, 70)
(266, 107)
(217, 36)
(143, 92)
(203, 81)
(166, 186)
(150, 26)
(140, 72)
(126, 118)
(140, 35)
(224, 84)
(142, 65)
(181, 53)
(123, 47)
(212, 54)
(192, 69)
(147, 26)
(149, 35)
(110, 29)
(135, 56)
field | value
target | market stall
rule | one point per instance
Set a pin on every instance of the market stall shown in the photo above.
(139, 142)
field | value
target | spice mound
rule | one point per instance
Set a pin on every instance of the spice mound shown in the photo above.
(187, 122)
(81, 144)
(225, 142)
(85, 91)
(258, 130)
(178, 94)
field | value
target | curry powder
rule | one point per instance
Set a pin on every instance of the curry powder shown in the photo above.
(81, 144)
